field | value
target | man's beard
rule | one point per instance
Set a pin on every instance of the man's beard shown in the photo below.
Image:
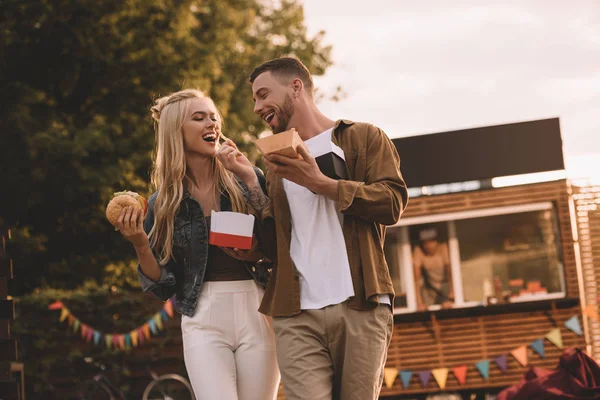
(284, 115)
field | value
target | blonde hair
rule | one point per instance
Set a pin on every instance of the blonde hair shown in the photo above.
(170, 169)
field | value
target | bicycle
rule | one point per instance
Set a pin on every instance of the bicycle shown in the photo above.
(162, 387)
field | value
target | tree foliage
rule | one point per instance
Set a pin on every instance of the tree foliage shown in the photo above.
(77, 78)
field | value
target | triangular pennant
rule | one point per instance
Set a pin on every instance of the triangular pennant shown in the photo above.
(121, 341)
(591, 311)
(108, 339)
(520, 354)
(97, 337)
(127, 341)
(405, 377)
(134, 337)
(573, 324)
(169, 308)
(84, 331)
(460, 373)
(64, 313)
(440, 375)
(484, 368)
(152, 326)
(89, 335)
(76, 324)
(538, 347)
(141, 335)
(555, 337)
(163, 314)
(57, 305)
(158, 321)
(115, 341)
(424, 377)
(501, 362)
(389, 375)
(71, 319)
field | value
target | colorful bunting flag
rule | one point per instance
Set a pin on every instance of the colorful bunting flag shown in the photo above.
(538, 347)
(57, 305)
(146, 330)
(424, 376)
(405, 377)
(460, 373)
(117, 341)
(127, 341)
(152, 326)
(163, 315)
(389, 376)
(134, 337)
(440, 375)
(555, 338)
(84, 331)
(573, 324)
(591, 311)
(484, 368)
(76, 324)
(158, 321)
(90, 334)
(520, 354)
(64, 313)
(501, 362)
(96, 337)
(169, 308)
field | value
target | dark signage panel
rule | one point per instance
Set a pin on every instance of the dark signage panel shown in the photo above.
(481, 153)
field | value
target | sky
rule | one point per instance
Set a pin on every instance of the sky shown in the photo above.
(415, 67)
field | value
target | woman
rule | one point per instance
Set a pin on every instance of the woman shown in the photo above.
(229, 348)
(431, 263)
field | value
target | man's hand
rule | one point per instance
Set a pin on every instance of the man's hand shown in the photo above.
(252, 255)
(303, 171)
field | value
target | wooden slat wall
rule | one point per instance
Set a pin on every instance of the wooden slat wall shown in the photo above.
(587, 204)
(10, 388)
(465, 341)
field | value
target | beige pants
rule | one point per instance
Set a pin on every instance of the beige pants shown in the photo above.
(333, 353)
(229, 346)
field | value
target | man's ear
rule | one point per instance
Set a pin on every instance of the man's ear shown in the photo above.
(297, 86)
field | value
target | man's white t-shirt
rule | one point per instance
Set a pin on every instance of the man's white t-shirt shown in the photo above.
(318, 248)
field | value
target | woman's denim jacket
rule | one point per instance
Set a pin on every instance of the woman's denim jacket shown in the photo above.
(183, 274)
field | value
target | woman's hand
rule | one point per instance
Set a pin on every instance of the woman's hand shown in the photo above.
(236, 162)
(131, 226)
(252, 255)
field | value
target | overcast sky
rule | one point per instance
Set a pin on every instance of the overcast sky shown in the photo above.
(414, 67)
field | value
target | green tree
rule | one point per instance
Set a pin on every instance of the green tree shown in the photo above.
(77, 78)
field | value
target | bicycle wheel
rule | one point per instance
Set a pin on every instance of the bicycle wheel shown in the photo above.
(169, 387)
(95, 390)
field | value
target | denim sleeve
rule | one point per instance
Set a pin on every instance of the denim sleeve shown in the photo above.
(164, 288)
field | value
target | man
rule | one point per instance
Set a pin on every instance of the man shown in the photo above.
(330, 293)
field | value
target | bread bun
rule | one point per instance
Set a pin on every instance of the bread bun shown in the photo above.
(122, 200)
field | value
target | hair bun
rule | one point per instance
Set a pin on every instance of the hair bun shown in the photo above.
(159, 104)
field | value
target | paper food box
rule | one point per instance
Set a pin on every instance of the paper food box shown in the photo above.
(284, 143)
(331, 160)
(231, 229)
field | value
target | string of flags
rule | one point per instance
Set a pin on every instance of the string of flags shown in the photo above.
(440, 375)
(123, 341)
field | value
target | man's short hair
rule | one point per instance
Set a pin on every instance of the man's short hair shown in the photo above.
(285, 68)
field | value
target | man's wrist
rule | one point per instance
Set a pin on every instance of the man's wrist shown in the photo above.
(325, 186)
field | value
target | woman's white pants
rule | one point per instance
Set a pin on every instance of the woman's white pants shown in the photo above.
(228, 346)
